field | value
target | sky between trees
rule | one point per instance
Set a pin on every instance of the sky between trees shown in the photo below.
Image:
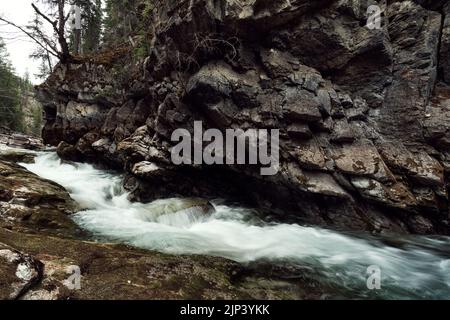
(19, 45)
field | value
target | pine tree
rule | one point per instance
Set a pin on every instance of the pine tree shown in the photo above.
(10, 112)
(92, 16)
(121, 19)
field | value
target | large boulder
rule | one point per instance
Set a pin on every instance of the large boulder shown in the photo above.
(177, 212)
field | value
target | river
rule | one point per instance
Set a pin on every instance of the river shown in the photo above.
(412, 267)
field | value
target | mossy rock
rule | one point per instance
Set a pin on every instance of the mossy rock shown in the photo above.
(28, 201)
(114, 272)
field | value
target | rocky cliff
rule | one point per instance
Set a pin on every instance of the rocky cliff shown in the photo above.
(364, 113)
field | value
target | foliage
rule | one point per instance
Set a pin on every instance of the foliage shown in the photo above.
(36, 127)
(92, 18)
(10, 113)
(93, 27)
(41, 54)
(121, 20)
(19, 111)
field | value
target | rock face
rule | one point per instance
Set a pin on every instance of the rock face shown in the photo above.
(444, 65)
(363, 112)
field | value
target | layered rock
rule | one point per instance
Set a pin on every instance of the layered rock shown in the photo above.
(363, 139)
(16, 140)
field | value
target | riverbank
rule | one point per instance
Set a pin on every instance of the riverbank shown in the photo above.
(18, 140)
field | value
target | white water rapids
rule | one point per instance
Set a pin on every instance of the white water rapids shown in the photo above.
(411, 267)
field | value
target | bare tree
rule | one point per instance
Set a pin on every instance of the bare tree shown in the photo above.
(56, 16)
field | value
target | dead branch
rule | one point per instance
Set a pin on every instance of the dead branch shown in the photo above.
(55, 53)
(59, 29)
(53, 23)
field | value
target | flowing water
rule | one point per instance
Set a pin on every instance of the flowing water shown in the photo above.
(411, 266)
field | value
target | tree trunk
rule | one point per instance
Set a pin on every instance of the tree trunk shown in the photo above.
(65, 53)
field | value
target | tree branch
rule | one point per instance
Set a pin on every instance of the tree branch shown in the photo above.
(53, 23)
(56, 54)
(59, 28)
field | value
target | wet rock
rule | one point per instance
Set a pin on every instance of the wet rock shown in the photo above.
(144, 169)
(395, 196)
(310, 156)
(140, 145)
(427, 170)
(314, 182)
(301, 105)
(15, 155)
(426, 199)
(324, 184)
(84, 145)
(101, 145)
(18, 273)
(22, 141)
(420, 166)
(437, 119)
(300, 131)
(420, 225)
(362, 160)
(30, 202)
(342, 132)
(177, 212)
(69, 152)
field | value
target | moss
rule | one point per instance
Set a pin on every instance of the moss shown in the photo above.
(120, 272)
(7, 278)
